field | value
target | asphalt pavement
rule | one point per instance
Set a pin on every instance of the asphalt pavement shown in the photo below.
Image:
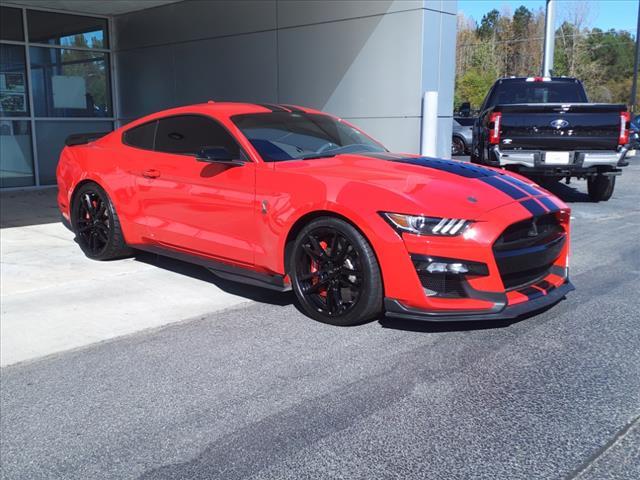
(260, 391)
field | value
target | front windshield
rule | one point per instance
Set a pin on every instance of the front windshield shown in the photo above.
(280, 136)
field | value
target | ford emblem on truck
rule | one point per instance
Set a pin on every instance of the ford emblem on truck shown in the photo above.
(559, 123)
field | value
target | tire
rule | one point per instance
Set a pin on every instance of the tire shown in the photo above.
(457, 146)
(95, 222)
(335, 274)
(601, 187)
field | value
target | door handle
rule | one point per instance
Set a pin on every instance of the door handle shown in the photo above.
(151, 173)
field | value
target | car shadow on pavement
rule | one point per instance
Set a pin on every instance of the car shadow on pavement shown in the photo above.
(566, 193)
(198, 272)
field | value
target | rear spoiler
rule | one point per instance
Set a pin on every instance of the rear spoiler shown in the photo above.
(83, 138)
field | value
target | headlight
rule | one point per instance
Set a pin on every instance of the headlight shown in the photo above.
(419, 225)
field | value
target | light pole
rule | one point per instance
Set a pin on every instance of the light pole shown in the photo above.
(634, 85)
(549, 38)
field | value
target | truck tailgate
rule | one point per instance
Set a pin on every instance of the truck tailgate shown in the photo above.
(551, 126)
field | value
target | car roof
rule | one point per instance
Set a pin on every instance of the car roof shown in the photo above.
(231, 108)
(226, 109)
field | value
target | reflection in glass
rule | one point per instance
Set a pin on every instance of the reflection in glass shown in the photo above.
(70, 83)
(11, 24)
(16, 160)
(67, 30)
(13, 82)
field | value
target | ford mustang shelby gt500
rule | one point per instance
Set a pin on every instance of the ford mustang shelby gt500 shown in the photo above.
(287, 197)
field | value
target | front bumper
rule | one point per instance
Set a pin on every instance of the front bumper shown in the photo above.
(582, 161)
(395, 309)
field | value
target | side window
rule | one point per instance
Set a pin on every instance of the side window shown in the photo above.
(187, 134)
(141, 136)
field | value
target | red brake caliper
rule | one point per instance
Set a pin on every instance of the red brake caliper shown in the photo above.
(315, 268)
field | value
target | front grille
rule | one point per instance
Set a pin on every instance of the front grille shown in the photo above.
(526, 250)
(442, 285)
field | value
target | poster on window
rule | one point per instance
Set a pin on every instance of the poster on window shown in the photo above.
(12, 93)
(69, 92)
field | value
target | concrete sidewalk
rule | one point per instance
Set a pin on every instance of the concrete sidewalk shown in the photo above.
(53, 298)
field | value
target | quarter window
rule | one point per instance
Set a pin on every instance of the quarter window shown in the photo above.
(187, 134)
(141, 136)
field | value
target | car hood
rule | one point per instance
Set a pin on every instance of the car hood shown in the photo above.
(414, 184)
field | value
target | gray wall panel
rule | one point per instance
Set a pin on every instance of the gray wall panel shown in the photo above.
(438, 69)
(145, 81)
(305, 12)
(447, 64)
(195, 19)
(445, 130)
(239, 68)
(397, 134)
(447, 6)
(368, 67)
(365, 61)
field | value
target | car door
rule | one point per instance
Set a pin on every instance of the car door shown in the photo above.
(204, 208)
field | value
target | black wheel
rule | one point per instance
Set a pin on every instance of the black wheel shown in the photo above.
(601, 187)
(335, 274)
(457, 146)
(96, 224)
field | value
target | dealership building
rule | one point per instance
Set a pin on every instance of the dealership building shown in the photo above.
(74, 66)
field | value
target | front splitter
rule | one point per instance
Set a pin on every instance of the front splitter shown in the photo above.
(395, 309)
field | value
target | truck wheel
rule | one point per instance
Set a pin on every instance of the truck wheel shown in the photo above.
(601, 187)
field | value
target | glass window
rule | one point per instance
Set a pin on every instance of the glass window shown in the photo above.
(50, 137)
(70, 83)
(281, 136)
(142, 136)
(537, 92)
(187, 134)
(67, 30)
(11, 24)
(16, 159)
(13, 82)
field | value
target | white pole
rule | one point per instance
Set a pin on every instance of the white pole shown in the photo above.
(429, 133)
(549, 38)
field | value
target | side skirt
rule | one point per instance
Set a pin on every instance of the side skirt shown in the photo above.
(224, 270)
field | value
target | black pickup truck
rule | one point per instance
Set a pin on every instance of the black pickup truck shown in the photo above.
(545, 128)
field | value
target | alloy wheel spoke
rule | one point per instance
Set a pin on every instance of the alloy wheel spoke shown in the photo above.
(308, 276)
(315, 288)
(334, 301)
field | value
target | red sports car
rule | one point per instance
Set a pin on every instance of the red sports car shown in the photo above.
(284, 197)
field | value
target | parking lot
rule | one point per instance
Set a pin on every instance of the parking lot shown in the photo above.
(153, 369)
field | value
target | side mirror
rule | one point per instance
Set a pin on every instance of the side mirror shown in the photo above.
(217, 155)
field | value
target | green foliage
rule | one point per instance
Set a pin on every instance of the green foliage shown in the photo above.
(473, 86)
(489, 25)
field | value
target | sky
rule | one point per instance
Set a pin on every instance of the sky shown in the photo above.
(604, 14)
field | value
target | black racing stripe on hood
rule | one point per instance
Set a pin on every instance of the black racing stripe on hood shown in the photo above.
(504, 187)
(547, 202)
(522, 185)
(463, 169)
(533, 207)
